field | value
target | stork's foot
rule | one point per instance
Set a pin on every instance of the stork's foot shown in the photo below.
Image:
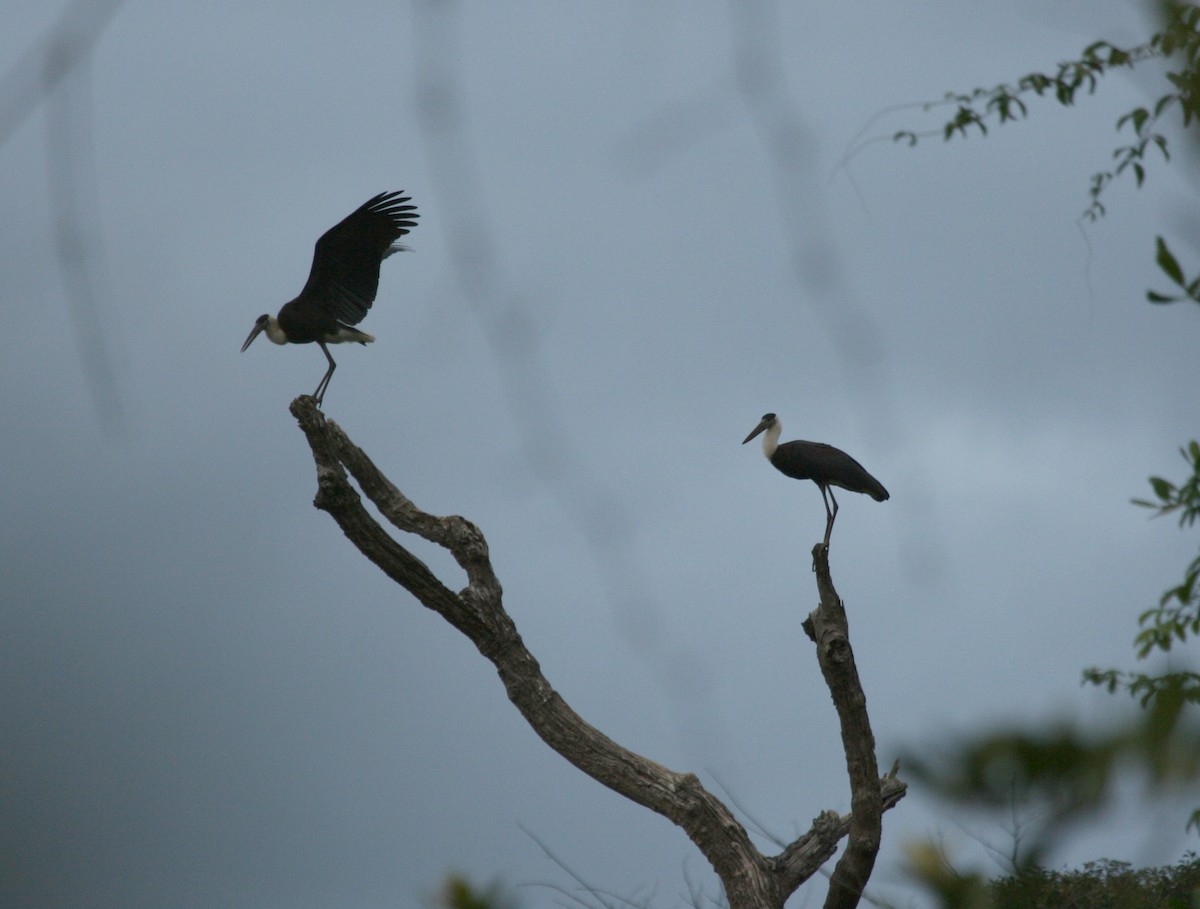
(820, 547)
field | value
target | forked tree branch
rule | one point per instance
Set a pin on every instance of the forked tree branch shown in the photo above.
(750, 879)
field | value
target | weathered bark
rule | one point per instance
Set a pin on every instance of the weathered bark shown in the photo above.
(751, 880)
(828, 627)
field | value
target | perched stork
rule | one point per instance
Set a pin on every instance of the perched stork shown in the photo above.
(823, 464)
(342, 283)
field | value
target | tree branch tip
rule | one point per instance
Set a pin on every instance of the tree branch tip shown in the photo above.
(827, 823)
(303, 402)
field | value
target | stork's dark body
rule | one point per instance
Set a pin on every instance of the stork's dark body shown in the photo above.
(304, 322)
(826, 466)
(823, 464)
(343, 280)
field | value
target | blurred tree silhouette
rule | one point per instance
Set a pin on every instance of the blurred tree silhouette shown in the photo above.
(1101, 885)
(1097, 885)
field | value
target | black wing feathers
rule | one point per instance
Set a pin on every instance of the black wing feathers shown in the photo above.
(825, 464)
(345, 268)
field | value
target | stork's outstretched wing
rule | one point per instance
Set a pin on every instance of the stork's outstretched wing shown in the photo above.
(345, 268)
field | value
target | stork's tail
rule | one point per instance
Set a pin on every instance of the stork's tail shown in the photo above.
(876, 490)
(346, 333)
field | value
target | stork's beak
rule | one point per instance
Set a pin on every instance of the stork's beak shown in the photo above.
(254, 333)
(762, 424)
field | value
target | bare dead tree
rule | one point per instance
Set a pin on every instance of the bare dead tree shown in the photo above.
(750, 879)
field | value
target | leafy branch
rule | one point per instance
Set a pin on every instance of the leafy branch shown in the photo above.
(1176, 618)
(1009, 102)
(1004, 103)
(1069, 772)
(1171, 268)
(1132, 157)
(1178, 613)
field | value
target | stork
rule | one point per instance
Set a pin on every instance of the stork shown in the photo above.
(342, 283)
(823, 464)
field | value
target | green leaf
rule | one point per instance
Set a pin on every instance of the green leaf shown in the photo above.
(1162, 488)
(1036, 81)
(1163, 103)
(1155, 297)
(1167, 262)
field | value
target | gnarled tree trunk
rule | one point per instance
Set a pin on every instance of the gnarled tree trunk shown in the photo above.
(751, 880)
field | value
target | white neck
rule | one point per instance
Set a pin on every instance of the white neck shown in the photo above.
(274, 332)
(771, 439)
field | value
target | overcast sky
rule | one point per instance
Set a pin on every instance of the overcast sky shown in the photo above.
(639, 232)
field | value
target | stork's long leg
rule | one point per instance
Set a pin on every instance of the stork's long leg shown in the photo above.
(319, 394)
(830, 516)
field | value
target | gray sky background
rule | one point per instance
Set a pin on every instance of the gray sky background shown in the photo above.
(631, 246)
